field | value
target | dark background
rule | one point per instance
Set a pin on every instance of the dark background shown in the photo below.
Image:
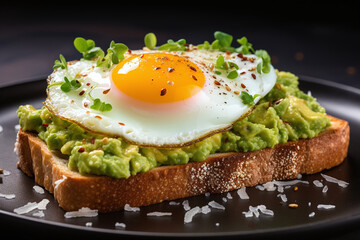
(307, 38)
(320, 40)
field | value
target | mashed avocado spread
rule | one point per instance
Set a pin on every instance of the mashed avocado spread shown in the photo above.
(284, 114)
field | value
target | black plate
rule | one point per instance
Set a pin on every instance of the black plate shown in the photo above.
(339, 100)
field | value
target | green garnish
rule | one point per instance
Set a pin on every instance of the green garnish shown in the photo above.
(246, 47)
(101, 106)
(229, 67)
(68, 85)
(60, 64)
(115, 52)
(247, 98)
(232, 75)
(98, 104)
(171, 45)
(150, 41)
(223, 43)
(263, 66)
(87, 48)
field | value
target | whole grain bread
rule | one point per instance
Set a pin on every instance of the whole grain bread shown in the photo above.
(218, 173)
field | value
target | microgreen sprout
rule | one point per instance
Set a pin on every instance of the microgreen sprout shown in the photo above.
(87, 48)
(60, 63)
(229, 67)
(114, 54)
(247, 98)
(223, 43)
(246, 47)
(67, 85)
(171, 45)
(98, 104)
(150, 41)
(264, 65)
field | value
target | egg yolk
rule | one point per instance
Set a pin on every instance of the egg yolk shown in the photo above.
(158, 77)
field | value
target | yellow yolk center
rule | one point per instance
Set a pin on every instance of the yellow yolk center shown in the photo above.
(158, 77)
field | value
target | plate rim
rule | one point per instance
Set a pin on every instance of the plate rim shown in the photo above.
(321, 225)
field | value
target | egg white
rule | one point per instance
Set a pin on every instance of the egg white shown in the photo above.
(212, 110)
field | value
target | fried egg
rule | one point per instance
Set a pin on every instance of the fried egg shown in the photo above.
(158, 98)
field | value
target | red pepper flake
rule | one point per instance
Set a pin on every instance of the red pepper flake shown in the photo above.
(253, 75)
(92, 140)
(98, 117)
(129, 51)
(278, 86)
(88, 84)
(237, 92)
(163, 92)
(86, 104)
(81, 150)
(170, 69)
(83, 141)
(157, 68)
(242, 73)
(142, 55)
(106, 91)
(192, 68)
(216, 82)
(243, 85)
(45, 124)
(81, 93)
(194, 77)
(242, 57)
(122, 124)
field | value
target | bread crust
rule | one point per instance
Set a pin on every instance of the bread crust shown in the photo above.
(218, 173)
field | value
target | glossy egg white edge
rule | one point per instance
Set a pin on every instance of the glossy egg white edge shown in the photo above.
(212, 110)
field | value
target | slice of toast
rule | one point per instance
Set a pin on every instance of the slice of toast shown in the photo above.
(218, 173)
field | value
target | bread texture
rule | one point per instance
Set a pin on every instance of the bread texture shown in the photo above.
(219, 173)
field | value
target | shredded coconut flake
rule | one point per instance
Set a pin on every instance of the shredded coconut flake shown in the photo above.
(283, 197)
(58, 182)
(242, 193)
(131, 209)
(205, 209)
(158, 214)
(228, 195)
(39, 214)
(7, 196)
(173, 203)
(26, 208)
(30, 206)
(186, 205)
(88, 224)
(191, 213)
(1, 129)
(82, 212)
(38, 189)
(216, 205)
(255, 211)
(325, 189)
(312, 214)
(317, 183)
(325, 206)
(42, 204)
(120, 225)
(335, 180)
